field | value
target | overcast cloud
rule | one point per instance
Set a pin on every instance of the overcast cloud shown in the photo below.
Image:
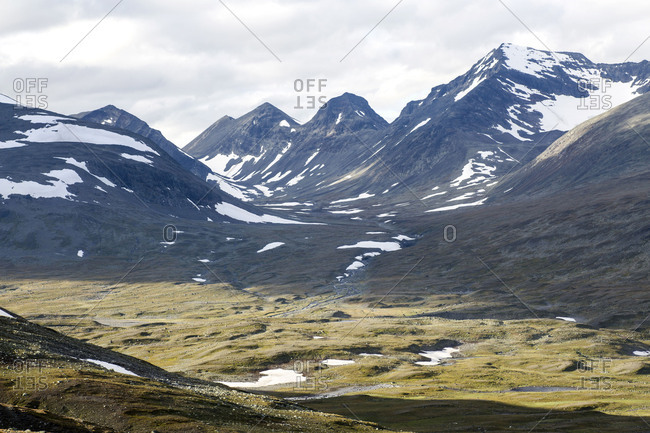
(182, 65)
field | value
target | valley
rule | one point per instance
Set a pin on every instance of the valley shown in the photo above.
(481, 263)
(217, 334)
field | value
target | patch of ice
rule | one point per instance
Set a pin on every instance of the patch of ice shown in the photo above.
(84, 167)
(3, 313)
(199, 280)
(565, 112)
(271, 246)
(378, 355)
(237, 213)
(403, 238)
(566, 319)
(465, 196)
(473, 172)
(297, 179)
(42, 119)
(446, 208)
(338, 119)
(285, 124)
(530, 61)
(354, 266)
(437, 356)
(279, 176)
(434, 195)
(64, 132)
(346, 211)
(288, 204)
(111, 367)
(273, 377)
(312, 157)
(80, 253)
(138, 158)
(420, 125)
(336, 362)
(359, 197)
(219, 162)
(374, 245)
(641, 353)
(57, 188)
(265, 190)
(229, 187)
(204, 260)
(477, 80)
(275, 160)
(11, 144)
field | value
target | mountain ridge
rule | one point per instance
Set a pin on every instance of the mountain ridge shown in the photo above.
(502, 112)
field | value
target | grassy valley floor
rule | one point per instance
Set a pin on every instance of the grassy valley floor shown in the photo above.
(508, 375)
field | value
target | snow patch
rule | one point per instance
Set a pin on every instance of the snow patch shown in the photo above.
(64, 132)
(84, 167)
(271, 246)
(111, 367)
(336, 362)
(3, 313)
(273, 377)
(447, 208)
(57, 188)
(437, 356)
(138, 158)
(237, 213)
(354, 266)
(383, 246)
(359, 197)
(420, 125)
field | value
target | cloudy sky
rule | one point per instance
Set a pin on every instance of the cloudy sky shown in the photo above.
(182, 65)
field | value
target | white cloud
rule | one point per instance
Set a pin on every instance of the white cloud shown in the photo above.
(181, 66)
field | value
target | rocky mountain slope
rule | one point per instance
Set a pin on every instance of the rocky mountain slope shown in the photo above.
(69, 186)
(115, 117)
(50, 382)
(445, 150)
(566, 235)
(614, 145)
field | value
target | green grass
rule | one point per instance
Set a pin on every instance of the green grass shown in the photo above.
(215, 333)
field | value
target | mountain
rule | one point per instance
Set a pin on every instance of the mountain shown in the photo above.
(611, 146)
(445, 150)
(70, 187)
(564, 236)
(515, 101)
(265, 151)
(347, 113)
(245, 135)
(115, 117)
